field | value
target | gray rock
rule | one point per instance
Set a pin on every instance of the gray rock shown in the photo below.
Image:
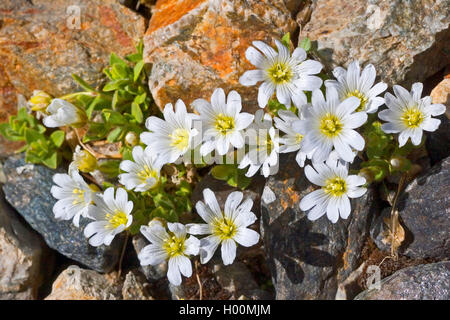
(237, 280)
(135, 287)
(406, 41)
(424, 208)
(423, 282)
(27, 189)
(24, 257)
(308, 259)
(76, 283)
(152, 273)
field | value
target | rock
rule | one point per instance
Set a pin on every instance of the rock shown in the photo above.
(43, 42)
(135, 287)
(308, 259)
(197, 46)
(75, 283)
(27, 189)
(438, 142)
(24, 257)
(152, 273)
(237, 280)
(406, 41)
(423, 209)
(423, 282)
(441, 94)
(8, 107)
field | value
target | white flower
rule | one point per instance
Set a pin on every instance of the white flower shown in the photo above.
(171, 137)
(353, 83)
(292, 140)
(222, 122)
(330, 124)
(63, 113)
(409, 114)
(83, 160)
(224, 227)
(288, 75)
(336, 189)
(74, 196)
(263, 146)
(172, 246)
(143, 173)
(112, 215)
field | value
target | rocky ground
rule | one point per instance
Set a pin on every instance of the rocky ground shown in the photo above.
(194, 47)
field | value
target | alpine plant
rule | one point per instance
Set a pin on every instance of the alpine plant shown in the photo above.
(326, 132)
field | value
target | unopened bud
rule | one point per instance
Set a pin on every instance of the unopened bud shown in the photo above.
(400, 163)
(131, 138)
(367, 174)
(40, 100)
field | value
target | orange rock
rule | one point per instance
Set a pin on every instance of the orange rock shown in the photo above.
(41, 44)
(196, 46)
(441, 94)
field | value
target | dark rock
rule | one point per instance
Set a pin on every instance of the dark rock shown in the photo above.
(424, 208)
(438, 142)
(27, 189)
(423, 282)
(308, 259)
(24, 258)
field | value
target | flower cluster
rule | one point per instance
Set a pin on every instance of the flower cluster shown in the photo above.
(326, 123)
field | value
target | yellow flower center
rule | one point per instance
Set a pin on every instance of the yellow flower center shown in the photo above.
(412, 117)
(117, 218)
(146, 173)
(224, 228)
(335, 186)
(224, 123)
(280, 73)
(79, 196)
(174, 246)
(298, 138)
(85, 161)
(330, 125)
(180, 139)
(362, 98)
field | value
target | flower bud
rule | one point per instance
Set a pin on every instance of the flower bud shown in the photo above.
(131, 138)
(400, 163)
(40, 100)
(84, 160)
(367, 174)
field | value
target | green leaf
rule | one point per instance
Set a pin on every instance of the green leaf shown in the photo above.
(305, 44)
(286, 40)
(137, 69)
(82, 83)
(52, 161)
(115, 84)
(57, 138)
(222, 171)
(137, 112)
(114, 134)
(33, 135)
(115, 59)
(110, 168)
(119, 71)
